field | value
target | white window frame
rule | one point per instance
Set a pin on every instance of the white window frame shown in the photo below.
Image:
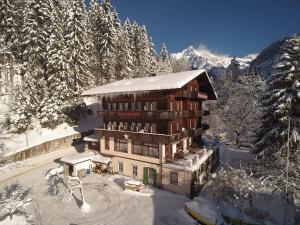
(119, 167)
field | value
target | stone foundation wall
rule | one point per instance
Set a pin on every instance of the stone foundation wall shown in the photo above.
(50, 146)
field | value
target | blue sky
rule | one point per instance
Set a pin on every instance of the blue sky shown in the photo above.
(233, 27)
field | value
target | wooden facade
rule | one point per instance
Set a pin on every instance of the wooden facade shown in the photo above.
(148, 129)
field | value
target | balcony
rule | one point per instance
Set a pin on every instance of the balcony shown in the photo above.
(192, 94)
(144, 137)
(148, 115)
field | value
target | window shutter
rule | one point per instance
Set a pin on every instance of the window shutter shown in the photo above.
(145, 175)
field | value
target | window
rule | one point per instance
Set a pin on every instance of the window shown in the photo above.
(178, 105)
(121, 106)
(177, 127)
(153, 128)
(125, 125)
(138, 127)
(137, 148)
(132, 105)
(106, 143)
(114, 126)
(147, 106)
(153, 151)
(133, 126)
(153, 106)
(150, 150)
(114, 106)
(121, 126)
(121, 145)
(147, 127)
(139, 106)
(109, 125)
(126, 106)
(109, 106)
(134, 171)
(120, 167)
(174, 178)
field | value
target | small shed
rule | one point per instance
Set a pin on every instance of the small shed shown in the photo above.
(92, 142)
(76, 164)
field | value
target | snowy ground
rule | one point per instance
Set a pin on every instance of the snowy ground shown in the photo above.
(234, 156)
(17, 142)
(109, 203)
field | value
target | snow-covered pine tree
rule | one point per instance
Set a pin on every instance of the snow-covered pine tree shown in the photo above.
(8, 22)
(35, 35)
(152, 55)
(144, 61)
(76, 36)
(95, 34)
(11, 20)
(59, 95)
(124, 66)
(110, 29)
(281, 102)
(164, 59)
(23, 111)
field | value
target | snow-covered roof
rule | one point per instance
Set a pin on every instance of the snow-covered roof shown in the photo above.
(163, 82)
(101, 159)
(92, 138)
(78, 158)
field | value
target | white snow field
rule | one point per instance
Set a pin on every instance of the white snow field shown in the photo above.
(17, 142)
(109, 203)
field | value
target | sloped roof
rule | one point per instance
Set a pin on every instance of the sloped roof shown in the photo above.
(162, 82)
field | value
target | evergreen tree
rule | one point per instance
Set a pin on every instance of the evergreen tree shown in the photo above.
(77, 50)
(35, 35)
(143, 52)
(152, 55)
(11, 12)
(164, 59)
(58, 95)
(110, 27)
(281, 102)
(124, 66)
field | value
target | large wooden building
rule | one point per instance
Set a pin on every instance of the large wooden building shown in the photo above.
(152, 129)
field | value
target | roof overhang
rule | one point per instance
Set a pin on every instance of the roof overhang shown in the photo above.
(157, 83)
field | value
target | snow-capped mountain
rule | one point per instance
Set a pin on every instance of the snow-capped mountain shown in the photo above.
(202, 57)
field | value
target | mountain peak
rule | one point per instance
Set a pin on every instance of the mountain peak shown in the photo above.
(203, 58)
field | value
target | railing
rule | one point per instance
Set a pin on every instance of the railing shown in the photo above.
(192, 94)
(146, 137)
(149, 115)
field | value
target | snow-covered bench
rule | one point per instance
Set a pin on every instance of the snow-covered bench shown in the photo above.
(134, 185)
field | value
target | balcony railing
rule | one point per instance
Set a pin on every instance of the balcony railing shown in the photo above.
(146, 137)
(192, 94)
(149, 115)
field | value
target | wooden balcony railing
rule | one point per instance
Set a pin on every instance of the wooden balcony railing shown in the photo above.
(149, 115)
(192, 94)
(146, 137)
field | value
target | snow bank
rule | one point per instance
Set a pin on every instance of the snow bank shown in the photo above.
(16, 220)
(18, 142)
(206, 209)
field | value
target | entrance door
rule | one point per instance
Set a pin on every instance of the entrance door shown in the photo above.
(150, 176)
(71, 170)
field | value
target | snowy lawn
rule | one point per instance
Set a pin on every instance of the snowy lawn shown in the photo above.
(110, 204)
(17, 142)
